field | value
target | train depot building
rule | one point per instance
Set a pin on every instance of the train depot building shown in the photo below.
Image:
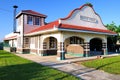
(82, 33)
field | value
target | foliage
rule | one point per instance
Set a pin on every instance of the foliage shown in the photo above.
(111, 65)
(6, 44)
(1, 45)
(13, 67)
(112, 26)
(89, 4)
(113, 39)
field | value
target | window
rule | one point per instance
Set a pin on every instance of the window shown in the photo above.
(30, 20)
(37, 21)
(76, 40)
(53, 42)
(26, 42)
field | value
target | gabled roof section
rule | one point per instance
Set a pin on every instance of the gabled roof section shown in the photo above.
(31, 12)
(60, 25)
(70, 14)
(84, 16)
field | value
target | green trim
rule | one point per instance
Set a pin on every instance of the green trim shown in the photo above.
(106, 52)
(62, 56)
(76, 54)
(6, 44)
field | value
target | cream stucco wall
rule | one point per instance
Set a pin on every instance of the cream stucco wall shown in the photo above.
(32, 42)
(13, 43)
(63, 37)
(45, 38)
(56, 35)
(85, 36)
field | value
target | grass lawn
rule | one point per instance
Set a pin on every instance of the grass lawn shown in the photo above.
(13, 67)
(111, 65)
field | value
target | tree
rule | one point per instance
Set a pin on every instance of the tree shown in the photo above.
(1, 45)
(113, 39)
(112, 26)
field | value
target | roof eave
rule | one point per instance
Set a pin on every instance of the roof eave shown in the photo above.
(6, 39)
(20, 13)
(86, 31)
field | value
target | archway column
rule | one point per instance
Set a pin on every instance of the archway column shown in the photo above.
(86, 49)
(60, 51)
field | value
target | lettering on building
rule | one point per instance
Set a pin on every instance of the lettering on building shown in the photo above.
(88, 19)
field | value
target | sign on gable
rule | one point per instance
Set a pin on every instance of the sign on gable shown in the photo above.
(88, 19)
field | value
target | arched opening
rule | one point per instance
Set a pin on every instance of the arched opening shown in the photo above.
(74, 46)
(50, 46)
(95, 47)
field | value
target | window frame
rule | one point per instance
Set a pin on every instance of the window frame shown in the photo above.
(29, 19)
(76, 40)
(37, 21)
(52, 43)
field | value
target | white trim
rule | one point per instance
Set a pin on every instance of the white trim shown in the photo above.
(38, 45)
(59, 21)
(58, 58)
(60, 51)
(84, 31)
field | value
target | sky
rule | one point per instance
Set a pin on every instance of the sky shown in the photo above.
(109, 10)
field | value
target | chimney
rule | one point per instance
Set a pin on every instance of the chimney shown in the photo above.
(14, 18)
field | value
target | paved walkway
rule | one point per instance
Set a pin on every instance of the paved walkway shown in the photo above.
(68, 66)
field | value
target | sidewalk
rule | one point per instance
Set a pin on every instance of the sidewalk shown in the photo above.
(68, 66)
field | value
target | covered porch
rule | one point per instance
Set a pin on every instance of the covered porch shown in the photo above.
(73, 44)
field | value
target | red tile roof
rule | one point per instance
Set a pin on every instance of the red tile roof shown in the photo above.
(11, 37)
(67, 26)
(45, 27)
(74, 27)
(31, 13)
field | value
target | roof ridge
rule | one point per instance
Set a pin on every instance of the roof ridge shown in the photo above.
(31, 12)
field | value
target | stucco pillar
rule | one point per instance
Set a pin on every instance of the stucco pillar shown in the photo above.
(86, 49)
(104, 48)
(60, 51)
(38, 49)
